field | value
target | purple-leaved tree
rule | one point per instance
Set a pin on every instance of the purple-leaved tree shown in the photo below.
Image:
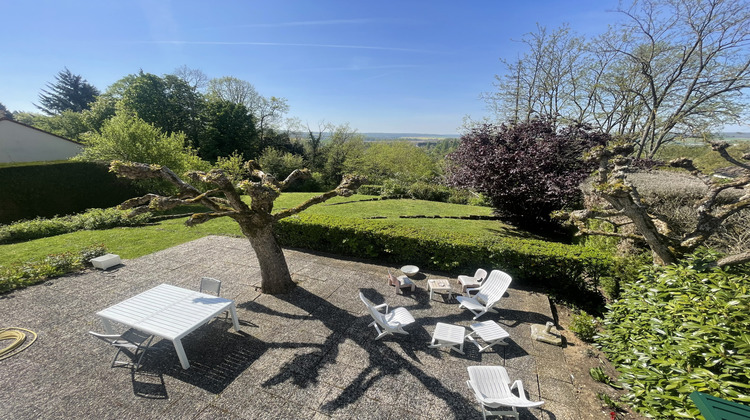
(527, 170)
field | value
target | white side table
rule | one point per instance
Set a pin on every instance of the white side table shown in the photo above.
(490, 332)
(447, 335)
(440, 286)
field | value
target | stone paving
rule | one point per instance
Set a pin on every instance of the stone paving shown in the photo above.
(306, 355)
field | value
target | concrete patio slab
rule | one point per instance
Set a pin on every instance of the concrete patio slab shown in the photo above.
(306, 355)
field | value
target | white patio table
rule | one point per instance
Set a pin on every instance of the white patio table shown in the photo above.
(169, 312)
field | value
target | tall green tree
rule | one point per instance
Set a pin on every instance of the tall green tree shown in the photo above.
(228, 128)
(69, 92)
(5, 112)
(401, 160)
(167, 102)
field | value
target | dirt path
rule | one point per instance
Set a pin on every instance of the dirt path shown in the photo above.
(581, 357)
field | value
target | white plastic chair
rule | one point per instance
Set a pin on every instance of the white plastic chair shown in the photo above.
(132, 341)
(472, 281)
(492, 388)
(212, 286)
(389, 322)
(401, 282)
(487, 295)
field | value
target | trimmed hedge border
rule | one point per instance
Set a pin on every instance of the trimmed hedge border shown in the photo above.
(530, 261)
(48, 190)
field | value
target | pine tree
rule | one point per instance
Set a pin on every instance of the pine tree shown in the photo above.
(69, 92)
(5, 112)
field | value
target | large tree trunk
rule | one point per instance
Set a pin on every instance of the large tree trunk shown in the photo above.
(275, 276)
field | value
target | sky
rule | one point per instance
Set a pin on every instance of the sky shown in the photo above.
(380, 66)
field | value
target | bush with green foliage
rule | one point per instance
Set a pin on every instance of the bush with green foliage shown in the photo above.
(584, 326)
(370, 189)
(679, 329)
(28, 273)
(92, 219)
(280, 163)
(533, 261)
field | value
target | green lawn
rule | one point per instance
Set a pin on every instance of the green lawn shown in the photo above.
(135, 242)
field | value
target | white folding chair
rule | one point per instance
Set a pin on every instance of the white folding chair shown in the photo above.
(132, 341)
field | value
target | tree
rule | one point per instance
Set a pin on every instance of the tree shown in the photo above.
(70, 92)
(527, 170)
(266, 111)
(195, 78)
(402, 161)
(68, 124)
(127, 137)
(611, 184)
(167, 102)
(228, 128)
(667, 69)
(256, 220)
(314, 145)
(693, 58)
(342, 150)
(278, 163)
(5, 113)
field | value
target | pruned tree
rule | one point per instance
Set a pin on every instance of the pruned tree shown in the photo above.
(69, 92)
(256, 220)
(611, 184)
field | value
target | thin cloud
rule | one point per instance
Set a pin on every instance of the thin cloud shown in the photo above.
(284, 44)
(307, 23)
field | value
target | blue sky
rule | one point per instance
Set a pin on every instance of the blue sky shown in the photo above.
(385, 66)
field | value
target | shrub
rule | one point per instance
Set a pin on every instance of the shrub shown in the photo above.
(92, 219)
(680, 329)
(394, 189)
(532, 261)
(430, 192)
(28, 273)
(584, 326)
(370, 189)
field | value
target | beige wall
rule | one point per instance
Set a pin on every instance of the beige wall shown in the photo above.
(20, 143)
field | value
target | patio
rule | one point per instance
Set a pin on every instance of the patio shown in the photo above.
(306, 355)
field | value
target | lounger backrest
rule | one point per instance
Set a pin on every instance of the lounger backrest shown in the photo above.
(376, 315)
(494, 287)
(490, 381)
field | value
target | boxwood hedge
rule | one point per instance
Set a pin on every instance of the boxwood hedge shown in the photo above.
(532, 261)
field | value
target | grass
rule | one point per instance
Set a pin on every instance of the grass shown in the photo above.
(703, 157)
(138, 241)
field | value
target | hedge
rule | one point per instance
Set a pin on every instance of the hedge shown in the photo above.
(54, 189)
(530, 261)
(679, 329)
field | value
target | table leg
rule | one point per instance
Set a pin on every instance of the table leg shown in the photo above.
(181, 353)
(235, 321)
(107, 326)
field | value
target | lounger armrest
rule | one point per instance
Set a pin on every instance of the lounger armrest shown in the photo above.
(471, 290)
(382, 305)
(518, 384)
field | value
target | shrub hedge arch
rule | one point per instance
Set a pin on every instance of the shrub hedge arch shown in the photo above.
(531, 261)
(680, 329)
